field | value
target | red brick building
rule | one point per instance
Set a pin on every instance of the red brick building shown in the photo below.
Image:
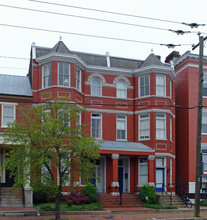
(186, 90)
(128, 106)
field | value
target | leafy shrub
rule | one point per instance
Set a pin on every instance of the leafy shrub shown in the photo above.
(148, 194)
(69, 202)
(90, 191)
(44, 194)
(77, 198)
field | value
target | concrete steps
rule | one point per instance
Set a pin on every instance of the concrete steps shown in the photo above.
(176, 201)
(11, 197)
(128, 200)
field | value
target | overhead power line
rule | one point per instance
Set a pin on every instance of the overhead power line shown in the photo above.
(89, 35)
(19, 58)
(84, 17)
(103, 104)
(104, 11)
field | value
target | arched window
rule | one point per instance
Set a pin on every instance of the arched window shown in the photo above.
(121, 89)
(96, 87)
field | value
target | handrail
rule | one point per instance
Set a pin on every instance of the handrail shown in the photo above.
(23, 197)
(98, 197)
(0, 188)
(164, 191)
(183, 195)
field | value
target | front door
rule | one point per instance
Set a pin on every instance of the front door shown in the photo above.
(160, 176)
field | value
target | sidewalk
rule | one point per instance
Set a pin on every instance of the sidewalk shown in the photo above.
(113, 213)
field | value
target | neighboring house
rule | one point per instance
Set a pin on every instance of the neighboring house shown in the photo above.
(15, 93)
(129, 107)
(186, 90)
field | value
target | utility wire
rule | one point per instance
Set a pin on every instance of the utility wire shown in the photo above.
(20, 58)
(103, 104)
(84, 17)
(108, 12)
(87, 35)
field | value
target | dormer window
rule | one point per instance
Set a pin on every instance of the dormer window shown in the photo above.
(46, 75)
(63, 74)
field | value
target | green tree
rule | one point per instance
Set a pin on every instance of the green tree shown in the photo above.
(46, 141)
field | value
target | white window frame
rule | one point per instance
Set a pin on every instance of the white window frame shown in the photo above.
(125, 126)
(171, 88)
(144, 86)
(163, 118)
(78, 79)
(147, 118)
(205, 85)
(3, 114)
(204, 122)
(160, 85)
(171, 129)
(121, 92)
(100, 88)
(204, 162)
(64, 74)
(46, 77)
(142, 164)
(98, 117)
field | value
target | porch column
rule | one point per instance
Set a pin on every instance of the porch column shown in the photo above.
(151, 170)
(115, 181)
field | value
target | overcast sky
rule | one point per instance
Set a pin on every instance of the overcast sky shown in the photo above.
(16, 42)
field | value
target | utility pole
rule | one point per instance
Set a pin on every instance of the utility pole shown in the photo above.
(199, 125)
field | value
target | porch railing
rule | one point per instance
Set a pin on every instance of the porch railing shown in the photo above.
(23, 197)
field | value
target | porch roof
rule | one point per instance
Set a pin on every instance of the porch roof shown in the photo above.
(125, 146)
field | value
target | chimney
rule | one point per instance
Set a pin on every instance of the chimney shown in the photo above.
(33, 51)
(107, 59)
(172, 56)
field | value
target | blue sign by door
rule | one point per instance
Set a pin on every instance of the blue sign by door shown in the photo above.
(120, 179)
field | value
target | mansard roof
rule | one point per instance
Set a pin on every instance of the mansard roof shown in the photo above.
(152, 60)
(15, 85)
(100, 60)
(60, 47)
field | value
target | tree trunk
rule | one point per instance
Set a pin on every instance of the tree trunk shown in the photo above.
(57, 206)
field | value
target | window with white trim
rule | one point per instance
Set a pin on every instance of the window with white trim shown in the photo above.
(121, 89)
(143, 171)
(204, 122)
(45, 175)
(46, 75)
(205, 85)
(78, 79)
(160, 85)
(121, 127)
(8, 114)
(144, 126)
(96, 125)
(160, 126)
(63, 74)
(96, 87)
(204, 161)
(144, 85)
(171, 129)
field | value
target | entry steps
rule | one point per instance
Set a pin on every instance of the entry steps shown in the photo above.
(128, 200)
(176, 201)
(10, 197)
